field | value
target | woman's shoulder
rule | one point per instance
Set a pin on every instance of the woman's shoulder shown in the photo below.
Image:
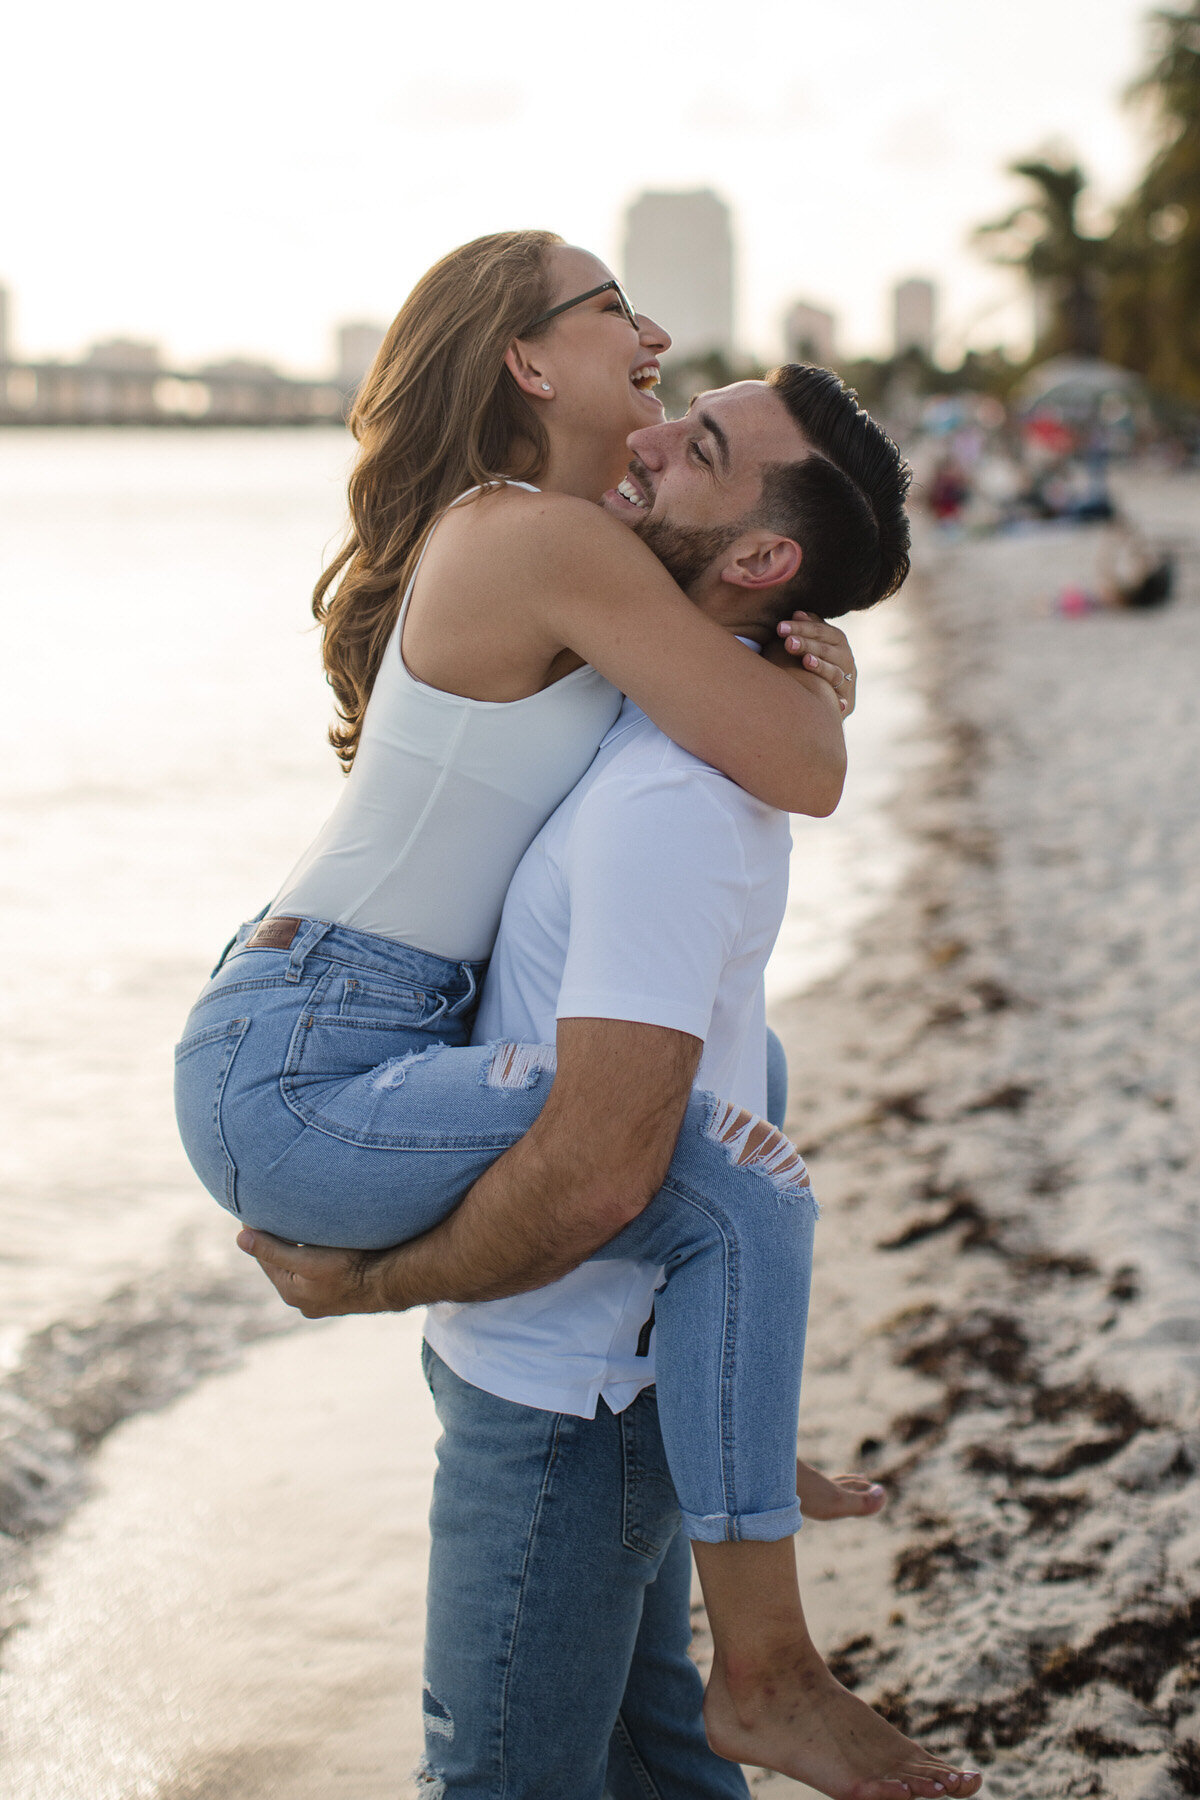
(513, 514)
(515, 550)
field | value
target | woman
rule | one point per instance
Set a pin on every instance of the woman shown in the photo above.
(310, 1096)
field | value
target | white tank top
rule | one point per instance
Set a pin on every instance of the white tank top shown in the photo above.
(444, 797)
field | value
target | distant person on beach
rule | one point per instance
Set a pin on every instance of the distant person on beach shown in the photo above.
(1131, 574)
(949, 491)
(326, 1086)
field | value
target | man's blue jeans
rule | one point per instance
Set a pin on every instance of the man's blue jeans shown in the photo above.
(556, 1660)
(559, 1601)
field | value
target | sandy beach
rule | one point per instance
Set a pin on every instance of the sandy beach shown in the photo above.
(1000, 1107)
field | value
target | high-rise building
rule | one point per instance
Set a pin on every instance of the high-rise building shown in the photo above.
(358, 342)
(808, 333)
(678, 267)
(913, 306)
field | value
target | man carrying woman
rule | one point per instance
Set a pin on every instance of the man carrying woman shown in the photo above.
(327, 1090)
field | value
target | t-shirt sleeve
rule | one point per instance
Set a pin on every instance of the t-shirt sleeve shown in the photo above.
(656, 878)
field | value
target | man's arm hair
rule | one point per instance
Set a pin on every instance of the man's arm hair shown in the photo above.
(591, 1162)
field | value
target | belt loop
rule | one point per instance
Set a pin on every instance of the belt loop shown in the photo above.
(305, 940)
(464, 1004)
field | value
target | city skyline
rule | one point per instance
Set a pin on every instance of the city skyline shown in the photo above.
(235, 190)
(696, 222)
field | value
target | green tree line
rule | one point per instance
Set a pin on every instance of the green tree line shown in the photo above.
(1131, 295)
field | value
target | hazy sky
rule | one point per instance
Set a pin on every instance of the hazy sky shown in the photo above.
(236, 176)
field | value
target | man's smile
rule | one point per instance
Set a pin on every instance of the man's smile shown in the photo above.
(632, 494)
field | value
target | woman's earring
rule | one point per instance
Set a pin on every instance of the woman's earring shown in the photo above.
(545, 387)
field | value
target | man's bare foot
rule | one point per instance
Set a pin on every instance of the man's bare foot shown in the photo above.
(792, 1716)
(837, 1497)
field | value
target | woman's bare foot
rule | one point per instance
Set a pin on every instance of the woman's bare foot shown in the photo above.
(837, 1497)
(792, 1716)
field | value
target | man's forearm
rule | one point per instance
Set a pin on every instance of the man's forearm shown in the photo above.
(593, 1159)
(528, 1221)
(590, 1163)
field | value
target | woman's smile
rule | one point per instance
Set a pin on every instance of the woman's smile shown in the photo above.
(646, 376)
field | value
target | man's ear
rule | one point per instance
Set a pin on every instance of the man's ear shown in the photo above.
(529, 376)
(762, 560)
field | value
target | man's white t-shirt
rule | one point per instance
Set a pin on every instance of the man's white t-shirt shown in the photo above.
(654, 893)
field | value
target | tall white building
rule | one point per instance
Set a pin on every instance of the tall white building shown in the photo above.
(809, 333)
(913, 307)
(678, 266)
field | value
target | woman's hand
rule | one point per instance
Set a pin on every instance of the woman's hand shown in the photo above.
(824, 651)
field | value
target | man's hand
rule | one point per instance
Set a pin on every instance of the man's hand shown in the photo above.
(321, 1284)
(823, 650)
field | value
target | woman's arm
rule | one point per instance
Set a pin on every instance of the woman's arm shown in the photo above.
(579, 580)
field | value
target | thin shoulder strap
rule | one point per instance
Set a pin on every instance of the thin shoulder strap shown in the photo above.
(465, 495)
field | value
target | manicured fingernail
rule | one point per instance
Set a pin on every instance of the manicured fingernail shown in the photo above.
(810, 659)
(793, 643)
(874, 1488)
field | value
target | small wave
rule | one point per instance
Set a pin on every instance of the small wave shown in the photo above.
(144, 1345)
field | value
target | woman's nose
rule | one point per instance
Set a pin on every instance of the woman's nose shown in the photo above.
(652, 334)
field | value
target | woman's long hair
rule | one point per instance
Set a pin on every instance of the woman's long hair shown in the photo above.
(438, 413)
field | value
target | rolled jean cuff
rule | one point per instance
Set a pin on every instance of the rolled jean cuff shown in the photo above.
(731, 1528)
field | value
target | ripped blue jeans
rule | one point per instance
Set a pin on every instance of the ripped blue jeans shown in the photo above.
(325, 1091)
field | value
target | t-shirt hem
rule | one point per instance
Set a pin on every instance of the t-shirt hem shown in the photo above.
(579, 1401)
(636, 1009)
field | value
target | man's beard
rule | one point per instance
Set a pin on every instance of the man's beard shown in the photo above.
(686, 552)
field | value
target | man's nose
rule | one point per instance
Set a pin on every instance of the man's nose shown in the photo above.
(648, 444)
(652, 335)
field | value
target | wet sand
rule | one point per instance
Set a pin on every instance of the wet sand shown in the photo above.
(238, 1611)
(1000, 1105)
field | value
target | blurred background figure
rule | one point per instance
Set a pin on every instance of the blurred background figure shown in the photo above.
(1129, 571)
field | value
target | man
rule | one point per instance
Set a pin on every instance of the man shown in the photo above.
(637, 927)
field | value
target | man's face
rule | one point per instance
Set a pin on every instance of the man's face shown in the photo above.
(694, 483)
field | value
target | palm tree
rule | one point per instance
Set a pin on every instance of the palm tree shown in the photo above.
(1152, 308)
(1066, 267)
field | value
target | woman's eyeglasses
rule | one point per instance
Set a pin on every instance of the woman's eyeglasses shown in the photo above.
(565, 305)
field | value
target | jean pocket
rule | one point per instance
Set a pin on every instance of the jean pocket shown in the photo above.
(374, 1000)
(202, 1064)
(650, 1505)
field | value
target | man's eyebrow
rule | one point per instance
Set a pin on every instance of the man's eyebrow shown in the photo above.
(719, 438)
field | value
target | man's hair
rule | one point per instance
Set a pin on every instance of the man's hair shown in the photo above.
(843, 504)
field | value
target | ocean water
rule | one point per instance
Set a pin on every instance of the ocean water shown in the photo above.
(164, 761)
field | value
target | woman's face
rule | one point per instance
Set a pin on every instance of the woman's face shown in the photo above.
(602, 370)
